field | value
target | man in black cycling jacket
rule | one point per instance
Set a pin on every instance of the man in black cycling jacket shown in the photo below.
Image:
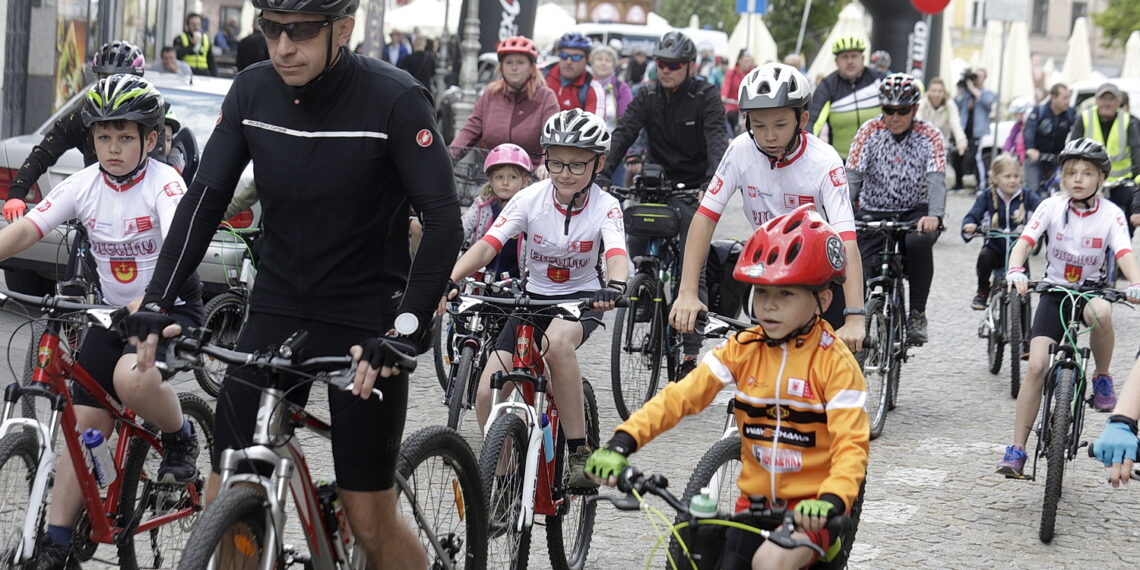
(342, 145)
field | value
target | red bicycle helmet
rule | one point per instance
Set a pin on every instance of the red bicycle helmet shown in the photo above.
(797, 248)
(517, 44)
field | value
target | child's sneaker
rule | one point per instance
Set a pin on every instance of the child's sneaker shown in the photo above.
(1104, 396)
(979, 302)
(1014, 461)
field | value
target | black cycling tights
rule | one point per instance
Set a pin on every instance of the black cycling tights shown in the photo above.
(918, 256)
(989, 260)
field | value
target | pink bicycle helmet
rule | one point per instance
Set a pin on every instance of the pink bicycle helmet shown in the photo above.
(507, 153)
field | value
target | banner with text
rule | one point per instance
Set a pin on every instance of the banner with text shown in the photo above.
(501, 19)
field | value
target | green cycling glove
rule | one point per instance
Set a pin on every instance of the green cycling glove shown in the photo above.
(605, 463)
(815, 508)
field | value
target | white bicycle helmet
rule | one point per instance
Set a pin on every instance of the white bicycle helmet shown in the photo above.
(1021, 105)
(578, 129)
(774, 86)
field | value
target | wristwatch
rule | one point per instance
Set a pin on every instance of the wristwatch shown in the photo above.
(407, 324)
(861, 311)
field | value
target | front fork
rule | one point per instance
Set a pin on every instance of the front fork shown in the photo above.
(45, 435)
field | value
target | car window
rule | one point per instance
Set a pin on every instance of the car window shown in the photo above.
(198, 111)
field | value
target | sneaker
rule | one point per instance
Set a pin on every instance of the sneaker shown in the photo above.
(1013, 463)
(916, 328)
(179, 457)
(979, 302)
(578, 477)
(687, 365)
(55, 556)
(1104, 396)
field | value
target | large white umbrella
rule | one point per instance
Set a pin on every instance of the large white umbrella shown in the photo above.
(1017, 73)
(762, 46)
(656, 22)
(550, 22)
(946, 56)
(1078, 60)
(427, 15)
(1131, 68)
(852, 22)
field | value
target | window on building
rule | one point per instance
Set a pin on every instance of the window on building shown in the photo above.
(978, 13)
(1040, 17)
(1080, 10)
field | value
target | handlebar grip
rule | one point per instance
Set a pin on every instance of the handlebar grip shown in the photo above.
(1092, 454)
(840, 525)
(407, 363)
(622, 302)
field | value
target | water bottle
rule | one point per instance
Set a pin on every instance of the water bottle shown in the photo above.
(705, 541)
(102, 464)
(547, 439)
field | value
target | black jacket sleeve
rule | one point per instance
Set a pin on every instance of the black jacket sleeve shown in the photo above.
(1134, 144)
(716, 137)
(627, 129)
(67, 133)
(181, 49)
(1029, 132)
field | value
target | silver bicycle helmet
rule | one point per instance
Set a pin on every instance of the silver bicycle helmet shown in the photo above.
(576, 128)
(774, 86)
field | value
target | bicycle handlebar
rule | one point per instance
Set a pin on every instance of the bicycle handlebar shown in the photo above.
(1107, 293)
(715, 325)
(990, 234)
(53, 303)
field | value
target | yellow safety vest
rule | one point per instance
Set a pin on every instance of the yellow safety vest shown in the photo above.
(197, 60)
(1116, 145)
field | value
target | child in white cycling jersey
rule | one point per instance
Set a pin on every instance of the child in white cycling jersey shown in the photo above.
(1083, 230)
(1004, 206)
(799, 394)
(127, 202)
(508, 169)
(569, 226)
(777, 165)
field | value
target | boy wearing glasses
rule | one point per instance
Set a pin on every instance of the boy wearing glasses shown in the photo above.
(571, 82)
(569, 226)
(897, 169)
(342, 146)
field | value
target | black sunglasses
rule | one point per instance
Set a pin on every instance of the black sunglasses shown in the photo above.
(574, 57)
(671, 65)
(897, 110)
(297, 31)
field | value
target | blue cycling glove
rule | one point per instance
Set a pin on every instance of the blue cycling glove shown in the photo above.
(1116, 443)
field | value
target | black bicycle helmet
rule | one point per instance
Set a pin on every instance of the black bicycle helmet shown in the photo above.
(574, 40)
(329, 7)
(899, 90)
(123, 97)
(118, 57)
(675, 46)
(1086, 149)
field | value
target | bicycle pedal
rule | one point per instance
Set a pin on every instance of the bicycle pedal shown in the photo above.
(1022, 477)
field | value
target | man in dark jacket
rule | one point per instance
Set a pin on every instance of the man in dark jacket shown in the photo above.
(683, 118)
(252, 49)
(421, 62)
(1046, 129)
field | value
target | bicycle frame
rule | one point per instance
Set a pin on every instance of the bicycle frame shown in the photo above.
(55, 365)
(889, 287)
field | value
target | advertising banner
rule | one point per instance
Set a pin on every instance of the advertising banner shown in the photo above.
(70, 50)
(912, 38)
(501, 19)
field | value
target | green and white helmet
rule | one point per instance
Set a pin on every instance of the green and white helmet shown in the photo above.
(123, 98)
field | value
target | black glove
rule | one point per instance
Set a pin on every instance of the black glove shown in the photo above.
(451, 286)
(606, 295)
(146, 321)
(377, 357)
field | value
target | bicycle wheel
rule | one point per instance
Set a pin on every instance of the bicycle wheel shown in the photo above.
(995, 341)
(502, 467)
(1055, 454)
(876, 365)
(569, 532)
(465, 373)
(19, 462)
(224, 316)
(161, 547)
(1015, 340)
(717, 471)
(635, 351)
(234, 529)
(898, 318)
(442, 353)
(442, 477)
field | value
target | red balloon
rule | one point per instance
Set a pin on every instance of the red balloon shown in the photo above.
(930, 6)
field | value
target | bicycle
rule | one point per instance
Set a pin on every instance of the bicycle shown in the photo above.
(142, 517)
(225, 313)
(642, 333)
(701, 538)
(469, 174)
(1005, 321)
(1062, 417)
(245, 524)
(522, 476)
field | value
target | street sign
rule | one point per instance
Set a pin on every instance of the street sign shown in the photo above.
(1007, 10)
(751, 6)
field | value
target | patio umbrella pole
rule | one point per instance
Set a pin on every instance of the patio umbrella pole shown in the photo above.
(997, 111)
(803, 26)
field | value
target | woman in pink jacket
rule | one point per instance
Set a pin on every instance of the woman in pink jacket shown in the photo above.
(730, 89)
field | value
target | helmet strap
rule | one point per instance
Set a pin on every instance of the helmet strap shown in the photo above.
(582, 192)
(788, 148)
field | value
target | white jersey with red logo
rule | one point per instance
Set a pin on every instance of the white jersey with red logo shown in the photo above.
(126, 224)
(813, 174)
(558, 263)
(1078, 241)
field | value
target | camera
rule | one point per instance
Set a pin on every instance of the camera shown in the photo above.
(967, 75)
(652, 177)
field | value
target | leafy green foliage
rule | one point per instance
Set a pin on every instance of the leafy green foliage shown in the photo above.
(718, 14)
(1117, 21)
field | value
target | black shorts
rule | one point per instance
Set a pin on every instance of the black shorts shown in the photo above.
(541, 319)
(366, 434)
(1052, 316)
(102, 349)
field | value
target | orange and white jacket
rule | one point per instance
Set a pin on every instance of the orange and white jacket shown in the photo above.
(799, 411)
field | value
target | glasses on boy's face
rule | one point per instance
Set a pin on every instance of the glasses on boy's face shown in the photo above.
(897, 110)
(574, 57)
(576, 168)
(297, 31)
(670, 65)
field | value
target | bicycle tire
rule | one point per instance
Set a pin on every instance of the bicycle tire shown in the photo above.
(995, 344)
(28, 405)
(507, 548)
(899, 334)
(141, 465)
(19, 463)
(876, 362)
(1015, 340)
(840, 560)
(224, 316)
(636, 347)
(718, 470)
(458, 384)
(1056, 453)
(451, 495)
(442, 352)
(574, 507)
(240, 517)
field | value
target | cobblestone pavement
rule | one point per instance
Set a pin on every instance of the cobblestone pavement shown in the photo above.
(932, 497)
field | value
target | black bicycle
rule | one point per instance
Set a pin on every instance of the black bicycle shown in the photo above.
(1006, 319)
(225, 313)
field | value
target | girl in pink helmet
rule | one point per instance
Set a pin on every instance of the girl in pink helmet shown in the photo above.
(508, 169)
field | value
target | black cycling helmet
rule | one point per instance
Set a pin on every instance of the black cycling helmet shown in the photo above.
(329, 7)
(574, 40)
(1086, 149)
(675, 46)
(899, 90)
(123, 97)
(118, 57)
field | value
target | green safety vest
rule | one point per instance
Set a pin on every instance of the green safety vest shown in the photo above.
(197, 60)
(1116, 145)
